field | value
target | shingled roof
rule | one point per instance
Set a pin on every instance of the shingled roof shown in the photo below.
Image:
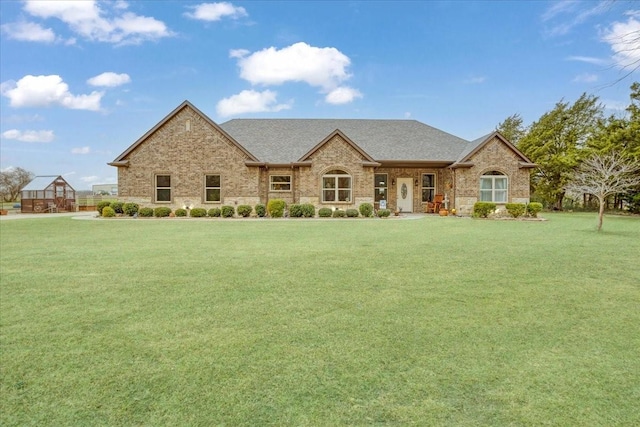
(287, 140)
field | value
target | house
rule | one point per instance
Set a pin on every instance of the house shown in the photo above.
(50, 193)
(188, 159)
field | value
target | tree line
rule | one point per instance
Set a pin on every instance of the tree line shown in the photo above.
(582, 154)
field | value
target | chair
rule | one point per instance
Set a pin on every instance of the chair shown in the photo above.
(434, 207)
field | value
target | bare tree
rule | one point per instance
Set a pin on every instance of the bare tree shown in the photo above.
(604, 175)
(11, 182)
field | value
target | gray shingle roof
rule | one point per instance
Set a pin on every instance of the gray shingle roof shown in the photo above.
(287, 140)
(40, 182)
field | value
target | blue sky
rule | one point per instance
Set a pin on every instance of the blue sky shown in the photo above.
(83, 80)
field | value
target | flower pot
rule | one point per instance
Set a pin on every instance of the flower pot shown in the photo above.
(4, 212)
(444, 212)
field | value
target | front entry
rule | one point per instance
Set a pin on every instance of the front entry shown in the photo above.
(405, 194)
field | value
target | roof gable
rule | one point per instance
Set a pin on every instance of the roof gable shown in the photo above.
(42, 182)
(121, 160)
(480, 143)
(336, 132)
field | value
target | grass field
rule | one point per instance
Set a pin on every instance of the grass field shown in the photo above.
(433, 321)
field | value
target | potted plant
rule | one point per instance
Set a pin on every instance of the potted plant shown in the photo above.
(444, 212)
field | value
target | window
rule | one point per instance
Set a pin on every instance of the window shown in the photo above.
(163, 188)
(336, 186)
(493, 187)
(212, 188)
(280, 183)
(428, 187)
(381, 185)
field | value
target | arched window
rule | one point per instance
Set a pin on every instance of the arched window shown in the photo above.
(493, 187)
(336, 186)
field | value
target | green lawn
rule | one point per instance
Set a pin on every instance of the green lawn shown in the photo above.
(434, 321)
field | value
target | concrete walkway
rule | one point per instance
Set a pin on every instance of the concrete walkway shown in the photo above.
(75, 215)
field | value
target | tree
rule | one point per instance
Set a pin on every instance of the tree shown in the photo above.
(11, 182)
(512, 128)
(555, 143)
(603, 175)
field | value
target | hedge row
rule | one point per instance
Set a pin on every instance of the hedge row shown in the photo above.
(276, 208)
(484, 209)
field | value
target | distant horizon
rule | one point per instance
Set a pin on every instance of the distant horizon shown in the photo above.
(82, 81)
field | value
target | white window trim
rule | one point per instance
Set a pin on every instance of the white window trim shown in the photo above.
(271, 183)
(156, 187)
(212, 188)
(493, 188)
(337, 189)
(428, 188)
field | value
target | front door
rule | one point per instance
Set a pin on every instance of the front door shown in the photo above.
(405, 194)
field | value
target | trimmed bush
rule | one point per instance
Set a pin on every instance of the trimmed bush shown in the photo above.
(533, 209)
(261, 210)
(275, 207)
(308, 210)
(295, 210)
(515, 209)
(353, 213)
(227, 211)
(383, 213)
(161, 212)
(244, 210)
(325, 212)
(181, 212)
(214, 212)
(108, 212)
(130, 208)
(145, 212)
(117, 207)
(101, 205)
(198, 212)
(366, 210)
(339, 213)
(483, 209)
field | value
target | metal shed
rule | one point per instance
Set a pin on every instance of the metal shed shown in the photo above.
(48, 194)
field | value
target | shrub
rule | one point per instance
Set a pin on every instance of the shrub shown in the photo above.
(308, 210)
(275, 207)
(325, 212)
(130, 208)
(383, 213)
(339, 213)
(261, 210)
(181, 212)
(515, 209)
(145, 212)
(353, 213)
(108, 212)
(101, 205)
(366, 210)
(161, 212)
(214, 212)
(227, 211)
(483, 209)
(116, 206)
(198, 212)
(533, 209)
(244, 210)
(295, 210)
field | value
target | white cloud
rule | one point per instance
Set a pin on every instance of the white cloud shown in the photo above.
(624, 40)
(585, 78)
(320, 67)
(564, 15)
(614, 105)
(342, 95)
(90, 179)
(588, 60)
(29, 135)
(109, 79)
(250, 101)
(474, 80)
(89, 20)
(216, 11)
(44, 91)
(29, 31)
(81, 150)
